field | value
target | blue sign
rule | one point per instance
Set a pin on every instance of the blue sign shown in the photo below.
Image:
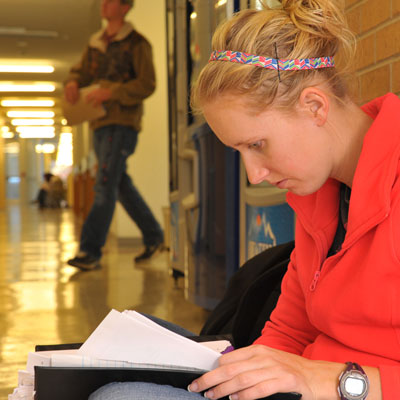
(267, 227)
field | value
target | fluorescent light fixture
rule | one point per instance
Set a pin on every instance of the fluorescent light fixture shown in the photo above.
(64, 154)
(38, 132)
(46, 148)
(66, 129)
(5, 129)
(27, 103)
(11, 148)
(30, 114)
(32, 122)
(41, 69)
(7, 135)
(35, 87)
(28, 33)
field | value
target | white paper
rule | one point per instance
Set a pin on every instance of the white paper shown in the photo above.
(43, 359)
(80, 361)
(217, 345)
(124, 337)
(25, 379)
(82, 111)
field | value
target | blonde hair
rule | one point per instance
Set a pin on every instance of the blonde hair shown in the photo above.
(297, 29)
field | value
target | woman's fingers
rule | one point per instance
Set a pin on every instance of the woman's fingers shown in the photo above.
(248, 385)
(251, 373)
(239, 370)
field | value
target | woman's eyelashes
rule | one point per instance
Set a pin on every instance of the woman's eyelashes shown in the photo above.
(258, 145)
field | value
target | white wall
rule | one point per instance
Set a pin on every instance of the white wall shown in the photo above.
(149, 164)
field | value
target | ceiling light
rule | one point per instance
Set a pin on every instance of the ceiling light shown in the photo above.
(22, 31)
(221, 3)
(46, 148)
(5, 129)
(64, 155)
(31, 122)
(26, 132)
(30, 114)
(43, 69)
(27, 103)
(7, 135)
(12, 148)
(36, 87)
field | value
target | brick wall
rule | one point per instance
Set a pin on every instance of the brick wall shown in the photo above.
(377, 26)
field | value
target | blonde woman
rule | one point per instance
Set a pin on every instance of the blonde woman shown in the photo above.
(272, 92)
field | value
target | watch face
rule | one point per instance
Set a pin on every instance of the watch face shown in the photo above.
(354, 386)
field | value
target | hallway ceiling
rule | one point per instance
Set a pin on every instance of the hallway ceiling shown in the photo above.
(52, 32)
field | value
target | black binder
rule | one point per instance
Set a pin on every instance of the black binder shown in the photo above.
(78, 383)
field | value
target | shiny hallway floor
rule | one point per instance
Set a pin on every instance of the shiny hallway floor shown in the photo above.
(45, 301)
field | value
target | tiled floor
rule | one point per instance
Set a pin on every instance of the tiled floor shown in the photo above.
(45, 301)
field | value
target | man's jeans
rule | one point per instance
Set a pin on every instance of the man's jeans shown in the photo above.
(113, 145)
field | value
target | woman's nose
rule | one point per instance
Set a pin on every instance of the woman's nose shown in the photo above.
(256, 173)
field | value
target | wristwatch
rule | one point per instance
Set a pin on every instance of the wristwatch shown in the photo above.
(353, 383)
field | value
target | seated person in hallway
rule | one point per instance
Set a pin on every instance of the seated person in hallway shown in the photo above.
(43, 194)
(119, 60)
(272, 92)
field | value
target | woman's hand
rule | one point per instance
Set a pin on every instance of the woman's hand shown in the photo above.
(258, 371)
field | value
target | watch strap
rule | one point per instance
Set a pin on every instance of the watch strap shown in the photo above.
(352, 366)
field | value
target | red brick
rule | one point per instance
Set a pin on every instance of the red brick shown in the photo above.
(396, 77)
(374, 12)
(375, 83)
(354, 20)
(387, 41)
(365, 52)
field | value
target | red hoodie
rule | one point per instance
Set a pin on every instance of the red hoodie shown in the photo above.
(347, 307)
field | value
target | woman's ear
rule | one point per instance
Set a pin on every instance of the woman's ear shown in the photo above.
(315, 103)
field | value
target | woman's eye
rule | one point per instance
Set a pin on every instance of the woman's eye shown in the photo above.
(256, 145)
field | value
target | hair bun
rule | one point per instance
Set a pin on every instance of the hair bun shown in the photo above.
(322, 18)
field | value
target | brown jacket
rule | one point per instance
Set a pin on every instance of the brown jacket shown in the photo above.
(125, 66)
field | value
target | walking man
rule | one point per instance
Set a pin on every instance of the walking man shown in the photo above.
(119, 60)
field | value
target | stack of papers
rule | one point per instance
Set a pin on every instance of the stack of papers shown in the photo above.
(82, 111)
(126, 340)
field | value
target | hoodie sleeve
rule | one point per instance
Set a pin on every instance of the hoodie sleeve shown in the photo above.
(80, 72)
(390, 381)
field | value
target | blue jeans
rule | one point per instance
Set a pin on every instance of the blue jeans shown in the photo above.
(113, 145)
(142, 390)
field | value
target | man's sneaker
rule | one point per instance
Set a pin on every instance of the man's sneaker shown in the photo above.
(84, 262)
(149, 251)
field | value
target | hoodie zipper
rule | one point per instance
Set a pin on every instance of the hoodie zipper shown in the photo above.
(314, 282)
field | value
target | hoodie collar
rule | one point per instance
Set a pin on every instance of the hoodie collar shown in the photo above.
(377, 167)
(97, 42)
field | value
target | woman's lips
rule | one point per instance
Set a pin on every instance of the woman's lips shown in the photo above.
(281, 184)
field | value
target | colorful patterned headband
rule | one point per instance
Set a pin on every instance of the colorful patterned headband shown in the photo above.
(273, 63)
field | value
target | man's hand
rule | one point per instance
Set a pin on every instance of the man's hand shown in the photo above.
(71, 91)
(98, 96)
